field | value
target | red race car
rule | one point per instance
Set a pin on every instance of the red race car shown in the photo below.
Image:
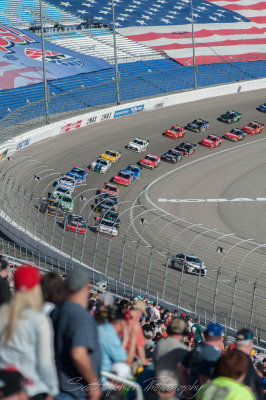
(150, 161)
(75, 223)
(211, 141)
(253, 128)
(108, 188)
(175, 132)
(123, 178)
(235, 135)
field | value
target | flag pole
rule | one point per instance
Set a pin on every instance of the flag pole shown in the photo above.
(193, 47)
(46, 93)
(117, 74)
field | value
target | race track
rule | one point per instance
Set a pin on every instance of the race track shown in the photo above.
(177, 202)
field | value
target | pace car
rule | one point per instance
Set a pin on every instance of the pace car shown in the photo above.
(108, 188)
(110, 215)
(106, 227)
(66, 181)
(100, 165)
(172, 156)
(211, 141)
(52, 207)
(150, 161)
(186, 148)
(198, 125)
(253, 128)
(123, 178)
(138, 145)
(75, 223)
(235, 135)
(230, 116)
(79, 174)
(189, 264)
(262, 107)
(175, 132)
(111, 155)
(134, 170)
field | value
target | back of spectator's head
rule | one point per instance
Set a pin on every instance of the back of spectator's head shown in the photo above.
(12, 385)
(233, 364)
(177, 326)
(244, 339)
(196, 320)
(214, 331)
(53, 288)
(139, 306)
(106, 300)
(4, 264)
(117, 313)
(147, 334)
(76, 280)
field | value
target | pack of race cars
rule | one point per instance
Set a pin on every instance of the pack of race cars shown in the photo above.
(59, 203)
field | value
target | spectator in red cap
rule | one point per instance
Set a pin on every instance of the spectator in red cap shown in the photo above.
(26, 336)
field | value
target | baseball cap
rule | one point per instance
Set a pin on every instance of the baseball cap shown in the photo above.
(141, 306)
(26, 277)
(177, 327)
(4, 264)
(244, 334)
(214, 329)
(76, 280)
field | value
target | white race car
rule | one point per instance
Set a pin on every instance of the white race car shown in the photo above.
(66, 182)
(60, 190)
(101, 165)
(138, 145)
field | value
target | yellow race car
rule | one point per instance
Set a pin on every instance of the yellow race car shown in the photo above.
(111, 155)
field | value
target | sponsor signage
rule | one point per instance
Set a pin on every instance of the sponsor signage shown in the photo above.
(71, 126)
(23, 143)
(129, 110)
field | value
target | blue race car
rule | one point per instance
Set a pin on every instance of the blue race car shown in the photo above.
(198, 125)
(66, 181)
(79, 174)
(133, 170)
(262, 107)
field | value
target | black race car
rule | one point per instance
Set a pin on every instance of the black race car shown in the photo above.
(198, 125)
(172, 156)
(52, 207)
(186, 148)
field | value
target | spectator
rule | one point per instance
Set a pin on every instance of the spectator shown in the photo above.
(26, 335)
(149, 343)
(77, 350)
(183, 316)
(53, 291)
(12, 386)
(168, 319)
(154, 312)
(191, 338)
(264, 367)
(147, 324)
(159, 326)
(200, 362)
(199, 332)
(244, 343)
(5, 292)
(168, 357)
(230, 370)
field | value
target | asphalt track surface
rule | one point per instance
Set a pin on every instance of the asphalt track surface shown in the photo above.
(191, 221)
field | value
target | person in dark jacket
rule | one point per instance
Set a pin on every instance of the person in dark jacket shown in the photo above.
(5, 292)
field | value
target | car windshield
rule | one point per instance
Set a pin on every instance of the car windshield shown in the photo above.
(69, 180)
(151, 158)
(124, 175)
(193, 259)
(107, 203)
(252, 125)
(133, 169)
(137, 141)
(79, 171)
(108, 196)
(76, 219)
(212, 138)
(54, 204)
(108, 223)
(172, 152)
(110, 153)
(101, 161)
(62, 190)
(111, 188)
(236, 131)
(176, 129)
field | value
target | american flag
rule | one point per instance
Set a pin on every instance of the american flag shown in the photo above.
(225, 30)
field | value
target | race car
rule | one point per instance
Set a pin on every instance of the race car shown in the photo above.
(110, 215)
(138, 145)
(189, 264)
(134, 170)
(79, 174)
(253, 128)
(75, 223)
(175, 132)
(262, 107)
(150, 161)
(66, 202)
(52, 207)
(66, 181)
(100, 165)
(172, 156)
(106, 203)
(123, 178)
(186, 148)
(235, 135)
(198, 125)
(211, 141)
(61, 190)
(111, 155)
(230, 116)
(106, 227)
(108, 188)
